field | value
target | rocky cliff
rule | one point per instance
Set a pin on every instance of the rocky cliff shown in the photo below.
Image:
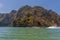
(28, 16)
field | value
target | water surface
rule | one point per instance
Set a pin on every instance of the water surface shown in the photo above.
(16, 33)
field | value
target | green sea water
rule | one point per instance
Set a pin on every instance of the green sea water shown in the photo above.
(20, 33)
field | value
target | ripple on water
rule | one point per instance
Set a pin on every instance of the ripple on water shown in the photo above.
(16, 33)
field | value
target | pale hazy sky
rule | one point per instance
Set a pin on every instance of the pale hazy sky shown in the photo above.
(8, 5)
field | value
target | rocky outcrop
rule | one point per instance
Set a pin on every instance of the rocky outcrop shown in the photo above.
(36, 16)
(29, 17)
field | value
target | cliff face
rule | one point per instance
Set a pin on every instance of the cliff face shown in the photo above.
(30, 16)
(36, 16)
(6, 18)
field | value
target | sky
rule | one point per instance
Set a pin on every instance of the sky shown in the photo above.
(8, 5)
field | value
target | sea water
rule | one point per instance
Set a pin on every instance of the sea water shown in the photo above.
(21, 33)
